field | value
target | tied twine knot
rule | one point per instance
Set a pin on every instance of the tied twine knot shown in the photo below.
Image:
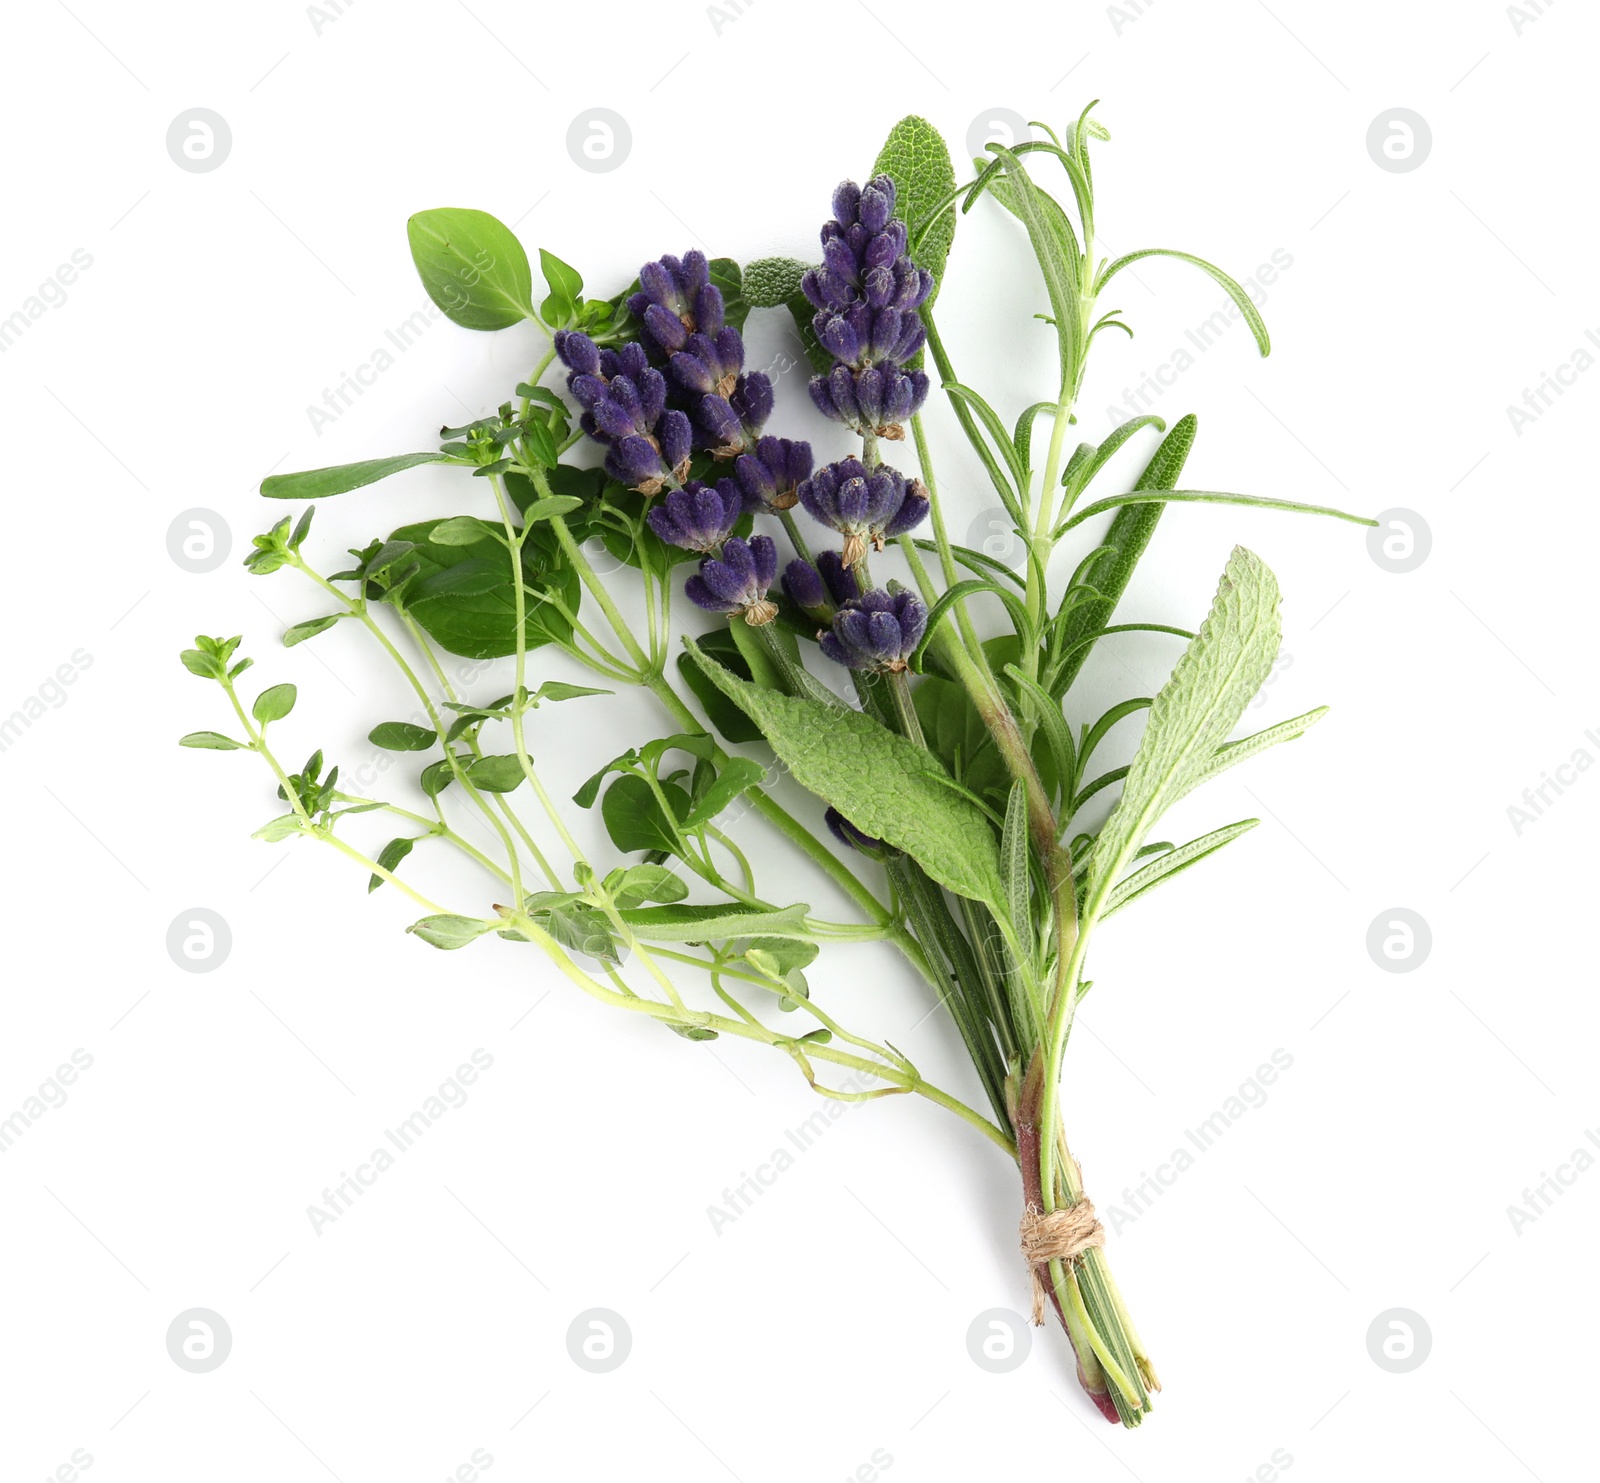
(1057, 1235)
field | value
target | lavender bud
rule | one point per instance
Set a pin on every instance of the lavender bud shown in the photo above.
(737, 582)
(698, 517)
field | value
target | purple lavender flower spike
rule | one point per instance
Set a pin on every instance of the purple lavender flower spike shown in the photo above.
(737, 582)
(861, 504)
(770, 476)
(878, 632)
(698, 517)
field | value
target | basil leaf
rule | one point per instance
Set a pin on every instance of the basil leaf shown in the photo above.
(725, 274)
(472, 266)
(566, 289)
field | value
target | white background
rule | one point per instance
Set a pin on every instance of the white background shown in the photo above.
(829, 1323)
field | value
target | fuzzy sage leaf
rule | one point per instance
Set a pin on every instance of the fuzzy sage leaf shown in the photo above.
(882, 783)
(1200, 704)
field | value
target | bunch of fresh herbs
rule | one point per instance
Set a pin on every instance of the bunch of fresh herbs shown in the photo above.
(953, 782)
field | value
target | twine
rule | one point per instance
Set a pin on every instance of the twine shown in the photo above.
(1057, 1235)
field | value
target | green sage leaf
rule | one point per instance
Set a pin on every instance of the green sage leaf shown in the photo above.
(917, 159)
(1219, 673)
(770, 282)
(884, 784)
